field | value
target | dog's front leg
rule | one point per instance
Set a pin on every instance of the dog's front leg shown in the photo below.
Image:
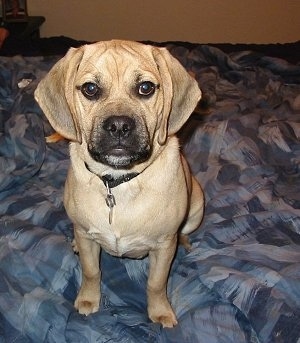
(159, 308)
(88, 298)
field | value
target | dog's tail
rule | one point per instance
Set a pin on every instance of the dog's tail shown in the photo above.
(54, 138)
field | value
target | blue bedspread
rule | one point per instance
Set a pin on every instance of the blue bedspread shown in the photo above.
(241, 281)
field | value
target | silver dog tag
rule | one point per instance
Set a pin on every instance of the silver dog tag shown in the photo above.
(110, 202)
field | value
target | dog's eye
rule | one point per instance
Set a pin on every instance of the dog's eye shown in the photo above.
(90, 90)
(146, 88)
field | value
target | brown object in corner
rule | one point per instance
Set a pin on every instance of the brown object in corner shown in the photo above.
(4, 33)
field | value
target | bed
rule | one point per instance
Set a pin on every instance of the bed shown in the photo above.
(241, 280)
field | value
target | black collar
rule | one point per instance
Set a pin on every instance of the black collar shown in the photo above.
(110, 181)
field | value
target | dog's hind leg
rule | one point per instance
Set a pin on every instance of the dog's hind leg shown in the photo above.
(195, 214)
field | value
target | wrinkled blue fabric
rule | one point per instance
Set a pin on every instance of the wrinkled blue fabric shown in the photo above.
(241, 281)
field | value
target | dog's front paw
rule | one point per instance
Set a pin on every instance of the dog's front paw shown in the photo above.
(167, 319)
(88, 298)
(162, 313)
(86, 305)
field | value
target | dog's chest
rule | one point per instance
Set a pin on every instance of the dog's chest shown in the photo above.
(130, 232)
(134, 225)
(121, 244)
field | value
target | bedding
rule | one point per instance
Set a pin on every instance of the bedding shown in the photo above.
(241, 280)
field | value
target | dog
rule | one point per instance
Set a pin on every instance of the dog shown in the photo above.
(129, 190)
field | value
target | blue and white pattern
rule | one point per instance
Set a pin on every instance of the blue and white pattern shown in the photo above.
(241, 281)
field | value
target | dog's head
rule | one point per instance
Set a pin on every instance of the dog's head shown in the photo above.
(120, 99)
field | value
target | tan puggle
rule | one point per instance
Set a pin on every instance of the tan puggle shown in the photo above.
(129, 189)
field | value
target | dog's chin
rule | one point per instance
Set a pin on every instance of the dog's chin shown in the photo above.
(120, 158)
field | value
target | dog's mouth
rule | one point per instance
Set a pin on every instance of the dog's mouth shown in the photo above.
(119, 157)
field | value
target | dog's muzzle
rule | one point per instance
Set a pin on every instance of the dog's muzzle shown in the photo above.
(120, 142)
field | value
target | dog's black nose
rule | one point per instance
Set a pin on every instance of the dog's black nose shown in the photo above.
(119, 126)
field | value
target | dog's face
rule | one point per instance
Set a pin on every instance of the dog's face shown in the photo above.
(121, 99)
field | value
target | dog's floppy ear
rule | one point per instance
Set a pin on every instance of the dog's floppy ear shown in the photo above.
(55, 95)
(180, 91)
